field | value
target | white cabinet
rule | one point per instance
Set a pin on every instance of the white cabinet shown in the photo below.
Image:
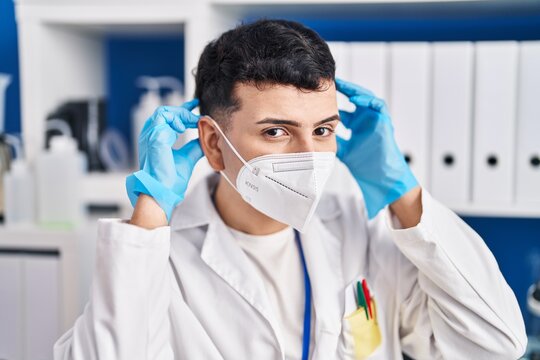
(41, 287)
(29, 304)
(11, 308)
(39, 290)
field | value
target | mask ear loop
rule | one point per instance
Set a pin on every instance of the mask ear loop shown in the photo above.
(229, 181)
(251, 168)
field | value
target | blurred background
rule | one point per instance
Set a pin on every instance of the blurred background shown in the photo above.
(79, 78)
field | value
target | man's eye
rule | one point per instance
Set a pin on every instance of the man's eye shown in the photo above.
(323, 131)
(275, 132)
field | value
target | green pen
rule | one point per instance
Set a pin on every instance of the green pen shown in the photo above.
(361, 298)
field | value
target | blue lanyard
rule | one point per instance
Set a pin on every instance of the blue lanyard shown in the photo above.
(307, 302)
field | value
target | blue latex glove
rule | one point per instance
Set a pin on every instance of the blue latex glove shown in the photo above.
(371, 154)
(165, 172)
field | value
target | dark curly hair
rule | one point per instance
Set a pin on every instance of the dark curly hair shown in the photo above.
(264, 52)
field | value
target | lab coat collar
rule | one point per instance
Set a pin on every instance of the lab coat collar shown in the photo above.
(220, 252)
(197, 209)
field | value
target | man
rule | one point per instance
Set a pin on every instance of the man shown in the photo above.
(258, 262)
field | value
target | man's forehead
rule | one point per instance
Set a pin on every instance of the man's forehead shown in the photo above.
(286, 102)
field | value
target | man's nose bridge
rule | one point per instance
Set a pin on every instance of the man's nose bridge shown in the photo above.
(305, 143)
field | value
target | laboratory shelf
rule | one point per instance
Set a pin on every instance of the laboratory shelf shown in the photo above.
(377, 9)
(93, 13)
(110, 188)
(498, 210)
(64, 43)
(105, 189)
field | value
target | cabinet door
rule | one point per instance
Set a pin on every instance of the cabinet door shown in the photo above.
(41, 300)
(11, 306)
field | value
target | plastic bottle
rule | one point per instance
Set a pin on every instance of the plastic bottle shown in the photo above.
(19, 195)
(19, 198)
(149, 101)
(59, 173)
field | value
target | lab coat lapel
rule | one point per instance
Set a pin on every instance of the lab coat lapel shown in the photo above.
(323, 259)
(220, 251)
(226, 258)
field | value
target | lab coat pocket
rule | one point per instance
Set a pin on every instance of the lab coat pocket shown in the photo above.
(362, 336)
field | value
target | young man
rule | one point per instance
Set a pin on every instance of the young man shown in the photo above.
(258, 262)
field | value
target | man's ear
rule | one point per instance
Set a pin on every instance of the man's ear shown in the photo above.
(210, 144)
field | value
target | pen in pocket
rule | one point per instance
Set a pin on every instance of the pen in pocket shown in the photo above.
(361, 299)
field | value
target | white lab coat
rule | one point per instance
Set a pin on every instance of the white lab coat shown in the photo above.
(187, 291)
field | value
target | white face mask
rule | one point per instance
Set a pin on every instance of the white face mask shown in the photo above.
(286, 187)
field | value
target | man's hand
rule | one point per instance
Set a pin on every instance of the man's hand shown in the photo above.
(371, 154)
(165, 172)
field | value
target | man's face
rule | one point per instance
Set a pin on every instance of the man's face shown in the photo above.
(280, 119)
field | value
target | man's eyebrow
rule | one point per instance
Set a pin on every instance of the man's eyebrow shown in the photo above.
(278, 122)
(331, 118)
(295, 123)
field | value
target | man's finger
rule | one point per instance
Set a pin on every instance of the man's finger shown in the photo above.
(192, 104)
(187, 157)
(351, 119)
(370, 102)
(349, 89)
(178, 117)
(184, 119)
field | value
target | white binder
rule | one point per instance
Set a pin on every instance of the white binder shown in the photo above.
(409, 101)
(528, 137)
(342, 56)
(495, 117)
(369, 66)
(452, 122)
